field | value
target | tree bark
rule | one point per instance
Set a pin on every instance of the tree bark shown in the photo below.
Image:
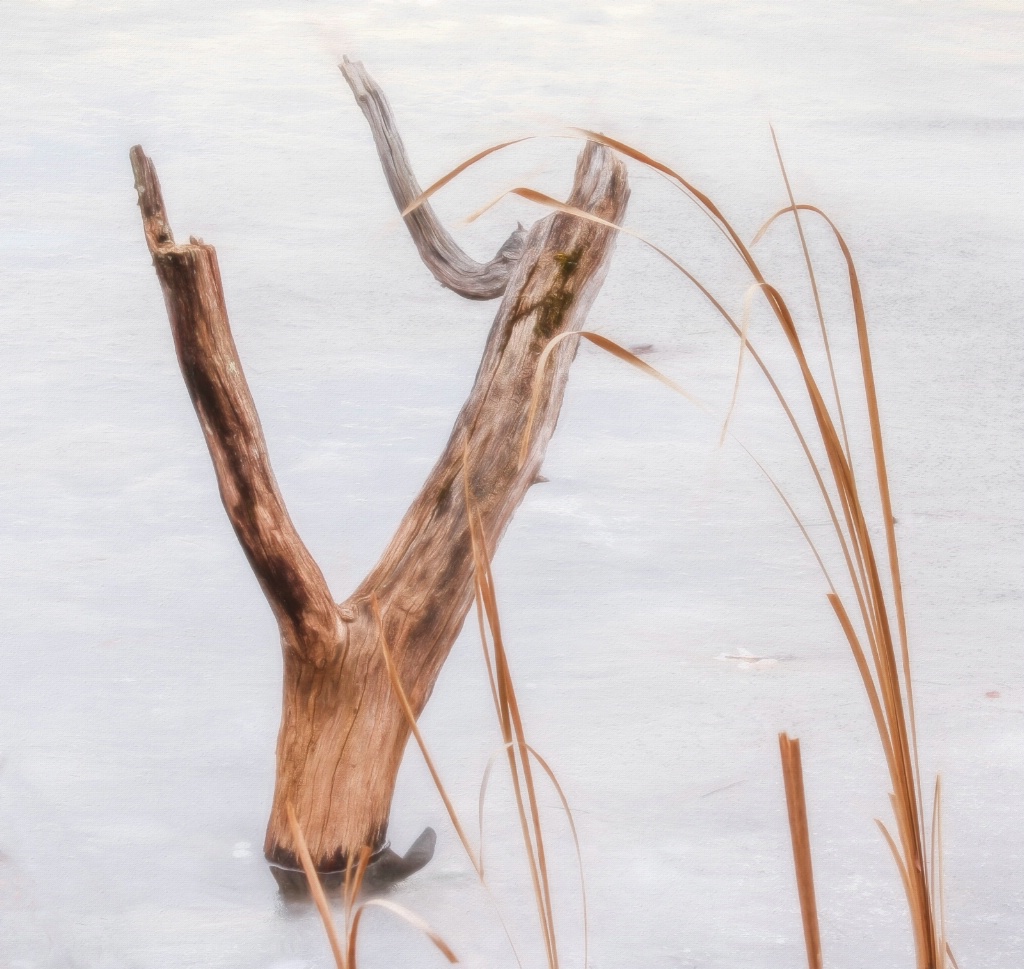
(342, 729)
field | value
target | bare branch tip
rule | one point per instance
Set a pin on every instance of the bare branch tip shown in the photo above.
(151, 200)
(358, 78)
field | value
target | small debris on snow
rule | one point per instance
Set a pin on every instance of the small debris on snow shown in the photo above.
(745, 660)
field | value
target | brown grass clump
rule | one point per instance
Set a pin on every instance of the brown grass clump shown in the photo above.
(871, 612)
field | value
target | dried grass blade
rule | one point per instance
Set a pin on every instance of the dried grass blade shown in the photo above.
(882, 475)
(909, 785)
(814, 290)
(898, 858)
(881, 470)
(456, 823)
(921, 945)
(512, 727)
(937, 866)
(485, 780)
(458, 170)
(605, 344)
(862, 566)
(796, 806)
(673, 176)
(316, 888)
(403, 913)
(868, 680)
(933, 872)
(579, 854)
(572, 827)
(506, 730)
(918, 898)
(396, 684)
(748, 299)
(354, 873)
(511, 705)
(841, 470)
(524, 761)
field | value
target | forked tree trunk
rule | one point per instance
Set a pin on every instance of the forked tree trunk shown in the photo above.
(342, 729)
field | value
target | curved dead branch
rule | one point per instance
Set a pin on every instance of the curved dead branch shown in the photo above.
(441, 254)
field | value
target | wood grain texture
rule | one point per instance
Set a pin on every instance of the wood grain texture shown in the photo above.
(342, 730)
(441, 254)
(191, 283)
(423, 580)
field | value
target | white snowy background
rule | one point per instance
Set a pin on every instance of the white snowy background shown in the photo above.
(139, 664)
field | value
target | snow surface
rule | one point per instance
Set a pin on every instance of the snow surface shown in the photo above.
(664, 617)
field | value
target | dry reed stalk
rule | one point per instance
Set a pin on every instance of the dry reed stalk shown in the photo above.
(317, 890)
(529, 821)
(512, 730)
(881, 652)
(796, 806)
(345, 956)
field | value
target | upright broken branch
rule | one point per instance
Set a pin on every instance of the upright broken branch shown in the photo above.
(191, 283)
(343, 730)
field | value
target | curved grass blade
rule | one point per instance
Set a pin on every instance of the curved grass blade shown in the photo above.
(316, 888)
(923, 940)
(605, 344)
(748, 299)
(510, 720)
(572, 827)
(911, 786)
(396, 685)
(403, 913)
(458, 170)
(514, 736)
(851, 546)
(814, 291)
(576, 844)
(871, 397)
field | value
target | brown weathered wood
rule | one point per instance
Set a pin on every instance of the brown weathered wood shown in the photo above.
(191, 283)
(440, 253)
(342, 730)
(423, 582)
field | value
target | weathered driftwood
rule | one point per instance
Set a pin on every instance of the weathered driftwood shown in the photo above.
(342, 730)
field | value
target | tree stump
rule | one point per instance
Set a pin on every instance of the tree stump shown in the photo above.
(343, 731)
